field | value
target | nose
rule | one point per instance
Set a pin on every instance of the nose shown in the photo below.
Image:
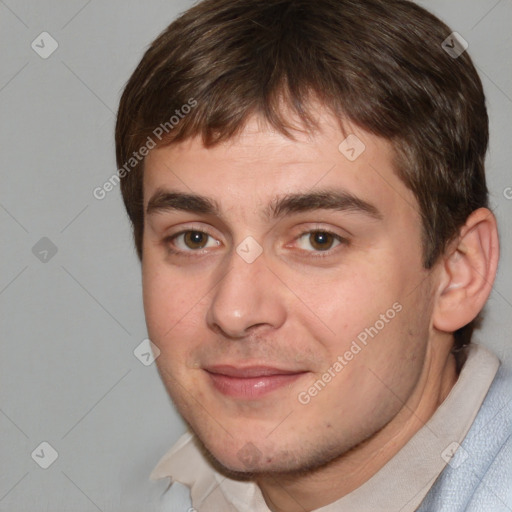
(248, 295)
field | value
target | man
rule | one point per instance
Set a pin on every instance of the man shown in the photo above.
(306, 186)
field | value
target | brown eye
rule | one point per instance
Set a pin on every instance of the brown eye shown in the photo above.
(189, 242)
(195, 239)
(321, 240)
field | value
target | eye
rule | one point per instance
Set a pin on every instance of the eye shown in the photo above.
(320, 240)
(190, 241)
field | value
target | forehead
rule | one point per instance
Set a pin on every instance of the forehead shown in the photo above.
(260, 164)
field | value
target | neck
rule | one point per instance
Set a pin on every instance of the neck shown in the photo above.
(300, 492)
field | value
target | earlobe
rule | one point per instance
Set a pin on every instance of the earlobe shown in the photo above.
(468, 271)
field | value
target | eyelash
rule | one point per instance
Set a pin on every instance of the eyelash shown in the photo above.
(192, 253)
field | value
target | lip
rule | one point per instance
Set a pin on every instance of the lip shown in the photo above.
(250, 382)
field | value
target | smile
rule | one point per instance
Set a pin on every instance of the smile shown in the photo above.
(252, 382)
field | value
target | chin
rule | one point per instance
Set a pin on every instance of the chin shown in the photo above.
(243, 456)
(250, 460)
(242, 459)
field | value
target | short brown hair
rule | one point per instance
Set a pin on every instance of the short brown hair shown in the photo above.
(378, 63)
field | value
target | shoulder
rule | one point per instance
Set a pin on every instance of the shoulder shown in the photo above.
(479, 476)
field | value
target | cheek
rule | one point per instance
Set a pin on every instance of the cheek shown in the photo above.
(172, 307)
(349, 302)
(374, 323)
(164, 301)
(157, 300)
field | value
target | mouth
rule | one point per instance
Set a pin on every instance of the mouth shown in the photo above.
(249, 383)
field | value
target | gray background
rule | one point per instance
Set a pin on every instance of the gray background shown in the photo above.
(72, 321)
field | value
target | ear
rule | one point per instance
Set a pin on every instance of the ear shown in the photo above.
(467, 273)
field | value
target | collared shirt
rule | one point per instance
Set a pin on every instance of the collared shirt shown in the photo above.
(399, 486)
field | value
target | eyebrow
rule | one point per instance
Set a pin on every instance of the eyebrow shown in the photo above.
(325, 199)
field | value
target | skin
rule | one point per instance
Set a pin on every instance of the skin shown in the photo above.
(290, 310)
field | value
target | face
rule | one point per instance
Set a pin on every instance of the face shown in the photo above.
(287, 322)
